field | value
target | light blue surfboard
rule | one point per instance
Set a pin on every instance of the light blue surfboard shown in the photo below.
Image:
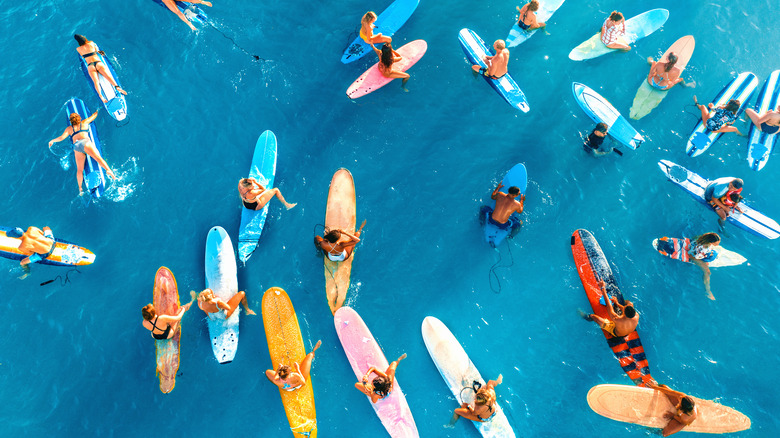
(387, 23)
(546, 9)
(741, 88)
(637, 28)
(222, 278)
(475, 49)
(263, 170)
(761, 144)
(191, 11)
(600, 110)
(518, 177)
(94, 175)
(115, 103)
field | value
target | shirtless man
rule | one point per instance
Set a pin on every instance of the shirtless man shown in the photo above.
(685, 410)
(506, 204)
(171, 5)
(616, 325)
(211, 304)
(36, 244)
(769, 123)
(496, 64)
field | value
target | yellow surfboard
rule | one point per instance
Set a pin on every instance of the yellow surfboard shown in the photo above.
(285, 344)
(166, 302)
(340, 214)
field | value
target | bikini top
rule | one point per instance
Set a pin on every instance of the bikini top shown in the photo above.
(78, 132)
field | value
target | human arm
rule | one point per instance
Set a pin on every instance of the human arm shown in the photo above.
(59, 139)
(199, 2)
(494, 195)
(607, 300)
(91, 118)
(352, 237)
(519, 209)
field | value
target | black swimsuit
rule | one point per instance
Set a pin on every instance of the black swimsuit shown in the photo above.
(88, 55)
(164, 334)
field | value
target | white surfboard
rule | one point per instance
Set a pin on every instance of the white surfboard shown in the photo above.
(222, 278)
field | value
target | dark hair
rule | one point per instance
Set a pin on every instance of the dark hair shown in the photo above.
(81, 39)
(381, 386)
(737, 183)
(672, 60)
(148, 312)
(333, 236)
(387, 55)
(283, 371)
(513, 190)
(602, 127)
(707, 238)
(687, 404)
(629, 312)
(735, 197)
(533, 5)
(616, 16)
(733, 105)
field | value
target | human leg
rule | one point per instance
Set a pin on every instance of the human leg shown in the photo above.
(107, 74)
(235, 301)
(93, 74)
(171, 5)
(306, 362)
(753, 117)
(80, 168)
(92, 151)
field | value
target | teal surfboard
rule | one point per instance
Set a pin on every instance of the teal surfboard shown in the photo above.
(387, 23)
(760, 144)
(600, 110)
(636, 28)
(263, 170)
(222, 279)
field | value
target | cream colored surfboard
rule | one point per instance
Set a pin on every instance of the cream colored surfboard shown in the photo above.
(340, 214)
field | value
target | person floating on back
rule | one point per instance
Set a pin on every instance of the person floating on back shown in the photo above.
(617, 325)
(768, 123)
(89, 51)
(664, 75)
(367, 30)
(527, 18)
(684, 413)
(484, 405)
(496, 64)
(613, 32)
(595, 139)
(722, 118)
(387, 57)
(506, 205)
(35, 243)
(171, 4)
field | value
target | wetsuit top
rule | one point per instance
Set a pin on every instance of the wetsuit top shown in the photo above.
(164, 334)
(595, 141)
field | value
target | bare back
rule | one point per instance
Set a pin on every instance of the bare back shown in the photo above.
(506, 205)
(33, 241)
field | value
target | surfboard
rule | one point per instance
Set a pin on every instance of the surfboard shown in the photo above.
(518, 177)
(263, 169)
(222, 278)
(115, 104)
(760, 144)
(740, 88)
(166, 302)
(637, 28)
(601, 111)
(65, 253)
(677, 249)
(285, 343)
(459, 373)
(475, 49)
(363, 353)
(94, 175)
(592, 266)
(546, 9)
(387, 23)
(749, 220)
(191, 11)
(373, 79)
(341, 213)
(646, 407)
(647, 97)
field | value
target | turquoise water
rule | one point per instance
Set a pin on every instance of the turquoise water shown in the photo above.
(76, 362)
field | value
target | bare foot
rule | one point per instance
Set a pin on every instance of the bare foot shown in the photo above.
(400, 358)
(289, 206)
(206, 3)
(186, 307)
(316, 346)
(695, 101)
(111, 173)
(363, 224)
(119, 89)
(250, 311)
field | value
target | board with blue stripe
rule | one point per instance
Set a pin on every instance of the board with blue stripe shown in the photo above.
(115, 103)
(191, 11)
(94, 175)
(761, 144)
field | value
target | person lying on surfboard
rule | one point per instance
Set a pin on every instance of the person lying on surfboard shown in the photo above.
(367, 30)
(483, 407)
(722, 119)
(718, 194)
(613, 30)
(35, 243)
(162, 326)
(387, 57)
(527, 18)
(664, 75)
(506, 205)
(171, 5)
(208, 303)
(685, 411)
(254, 196)
(382, 384)
(769, 123)
(339, 244)
(617, 325)
(88, 50)
(496, 64)
(287, 379)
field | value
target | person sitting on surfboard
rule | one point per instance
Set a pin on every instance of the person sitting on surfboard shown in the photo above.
(388, 56)
(82, 146)
(254, 196)
(171, 4)
(496, 64)
(88, 50)
(703, 250)
(287, 379)
(211, 304)
(719, 195)
(722, 119)
(339, 244)
(769, 123)
(382, 384)
(163, 326)
(613, 30)
(617, 325)
(685, 409)
(664, 75)
(506, 205)
(484, 403)
(527, 18)
(35, 243)
(367, 30)
(596, 138)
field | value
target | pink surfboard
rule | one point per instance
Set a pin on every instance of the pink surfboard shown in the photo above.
(373, 80)
(363, 352)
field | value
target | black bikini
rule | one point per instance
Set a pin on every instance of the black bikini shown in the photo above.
(164, 334)
(91, 54)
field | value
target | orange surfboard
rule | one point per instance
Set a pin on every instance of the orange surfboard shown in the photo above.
(166, 302)
(341, 214)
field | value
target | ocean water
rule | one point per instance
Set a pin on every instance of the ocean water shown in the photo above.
(74, 360)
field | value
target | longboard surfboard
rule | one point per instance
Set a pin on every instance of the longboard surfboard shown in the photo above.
(601, 111)
(677, 249)
(116, 103)
(518, 177)
(373, 79)
(166, 302)
(341, 214)
(637, 28)
(647, 97)
(263, 169)
(387, 23)
(94, 175)
(761, 144)
(65, 253)
(222, 279)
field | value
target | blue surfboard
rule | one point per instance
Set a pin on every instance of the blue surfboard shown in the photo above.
(546, 9)
(263, 170)
(741, 88)
(115, 103)
(600, 110)
(475, 49)
(222, 279)
(94, 175)
(191, 11)
(387, 23)
(761, 144)
(518, 177)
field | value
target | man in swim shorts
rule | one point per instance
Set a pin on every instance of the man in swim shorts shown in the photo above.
(721, 188)
(617, 325)
(35, 243)
(769, 123)
(496, 64)
(684, 409)
(506, 205)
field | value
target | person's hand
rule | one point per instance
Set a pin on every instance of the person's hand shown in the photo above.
(51, 143)
(501, 184)
(500, 379)
(668, 415)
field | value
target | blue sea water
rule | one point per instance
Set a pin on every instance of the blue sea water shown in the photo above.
(75, 361)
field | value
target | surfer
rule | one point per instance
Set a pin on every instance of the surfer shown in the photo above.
(596, 138)
(722, 119)
(254, 196)
(506, 205)
(339, 244)
(35, 243)
(171, 323)
(387, 57)
(702, 252)
(719, 195)
(484, 403)
(527, 18)
(685, 409)
(287, 379)
(367, 30)
(769, 123)
(89, 51)
(617, 325)
(171, 5)
(208, 303)
(496, 64)
(613, 31)
(664, 75)
(82, 145)
(381, 386)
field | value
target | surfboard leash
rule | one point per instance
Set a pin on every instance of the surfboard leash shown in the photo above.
(255, 57)
(64, 281)
(496, 265)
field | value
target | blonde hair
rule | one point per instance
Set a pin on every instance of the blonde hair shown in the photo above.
(485, 397)
(501, 44)
(368, 17)
(206, 295)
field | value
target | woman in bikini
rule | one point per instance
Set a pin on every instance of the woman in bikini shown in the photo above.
(722, 118)
(527, 18)
(82, 146)
(769, 123)
(208, 303)
(162, 326)
(387, 57)
(381, 385)
(287, 379)
(367, 30)
(171, 5)
(483, 406)
(89, 51)
(339, 244)
(254, 196)
(613, 30)
(664, 75)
